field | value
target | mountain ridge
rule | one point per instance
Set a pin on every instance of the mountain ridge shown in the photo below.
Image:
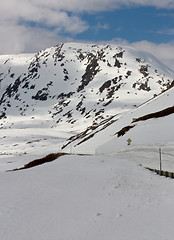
(80, 88)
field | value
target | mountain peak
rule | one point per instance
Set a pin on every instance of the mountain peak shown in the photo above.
(77, 86)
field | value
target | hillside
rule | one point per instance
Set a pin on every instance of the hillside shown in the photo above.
(70, 96)
(65, 163)
(149, 123)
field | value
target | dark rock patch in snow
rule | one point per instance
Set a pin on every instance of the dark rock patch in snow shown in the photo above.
(159, 114)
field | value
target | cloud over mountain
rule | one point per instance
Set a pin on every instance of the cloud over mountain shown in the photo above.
(32, 25)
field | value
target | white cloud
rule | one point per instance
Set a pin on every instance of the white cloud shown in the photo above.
(19, 39)
(51, 18)
(100, 5)
(162, 51)
(18, 35)
(39, 14)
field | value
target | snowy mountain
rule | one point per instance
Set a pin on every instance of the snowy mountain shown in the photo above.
(87, 100)
(72, 95)
(148, 124)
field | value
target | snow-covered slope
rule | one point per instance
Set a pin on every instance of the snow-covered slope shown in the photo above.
(149, 123)
(91, 197)
(71, 82)
(85, 99)
(149, 126)
(75, 97)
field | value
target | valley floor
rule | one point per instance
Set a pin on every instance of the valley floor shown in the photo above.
(86, 197)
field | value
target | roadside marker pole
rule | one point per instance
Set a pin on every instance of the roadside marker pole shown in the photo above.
(160, 159)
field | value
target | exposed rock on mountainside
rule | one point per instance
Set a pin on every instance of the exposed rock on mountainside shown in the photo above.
(159, 114)
(77, 87)
(70, 76)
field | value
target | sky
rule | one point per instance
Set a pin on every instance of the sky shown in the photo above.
(33, 25)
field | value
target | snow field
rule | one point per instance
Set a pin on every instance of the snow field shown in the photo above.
(86, 197)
